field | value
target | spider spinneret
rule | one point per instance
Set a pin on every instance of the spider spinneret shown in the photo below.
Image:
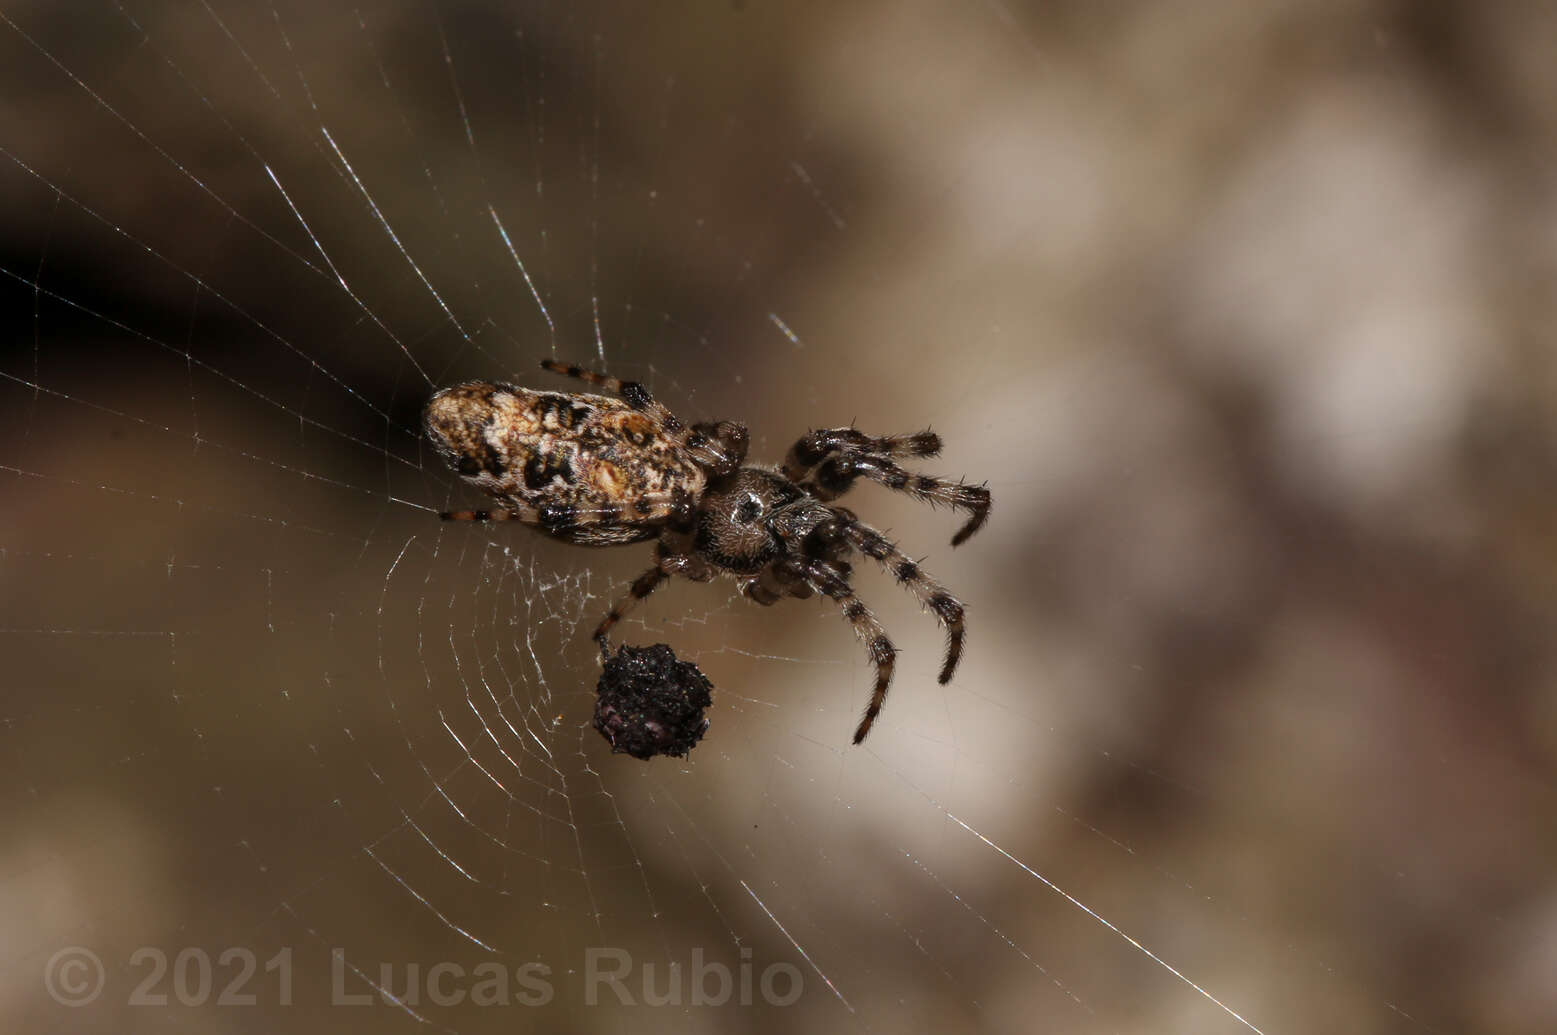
(601, 470)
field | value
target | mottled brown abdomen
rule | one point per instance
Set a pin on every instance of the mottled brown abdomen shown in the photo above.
(533, 450)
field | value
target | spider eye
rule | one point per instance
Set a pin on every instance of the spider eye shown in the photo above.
(749, 510)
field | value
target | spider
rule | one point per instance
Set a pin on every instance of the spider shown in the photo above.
(600, 471)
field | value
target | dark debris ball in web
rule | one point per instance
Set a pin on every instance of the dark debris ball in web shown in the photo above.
(650, 703)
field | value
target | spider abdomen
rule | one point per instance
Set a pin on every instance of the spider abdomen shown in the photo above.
(559, 455)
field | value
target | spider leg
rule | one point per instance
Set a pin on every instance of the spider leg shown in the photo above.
(835, 476)
(635, 394)
(867, 628)
(948, 610)
(674, 508)
(668, 560)
(632, 393)
(817, 446)
(826, 463)
(642, 586)
(547, 516)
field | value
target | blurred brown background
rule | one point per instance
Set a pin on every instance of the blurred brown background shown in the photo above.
(1243, 310)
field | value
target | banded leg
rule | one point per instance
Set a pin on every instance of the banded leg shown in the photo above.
(870, 633)
(817, 446)
(521, 512)
(836, 475)
(642, 586)
(633, 393)
(826, 463)
(673, 509)
(948, 610)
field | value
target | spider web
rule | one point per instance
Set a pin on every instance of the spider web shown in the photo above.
(1219, 756)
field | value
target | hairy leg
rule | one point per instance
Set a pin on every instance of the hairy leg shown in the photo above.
(668, 561)
(948, 610)
(826, 464)
(642, 586)
(870, 632)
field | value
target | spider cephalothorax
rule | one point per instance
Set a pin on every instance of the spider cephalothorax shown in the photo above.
(600, 471)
